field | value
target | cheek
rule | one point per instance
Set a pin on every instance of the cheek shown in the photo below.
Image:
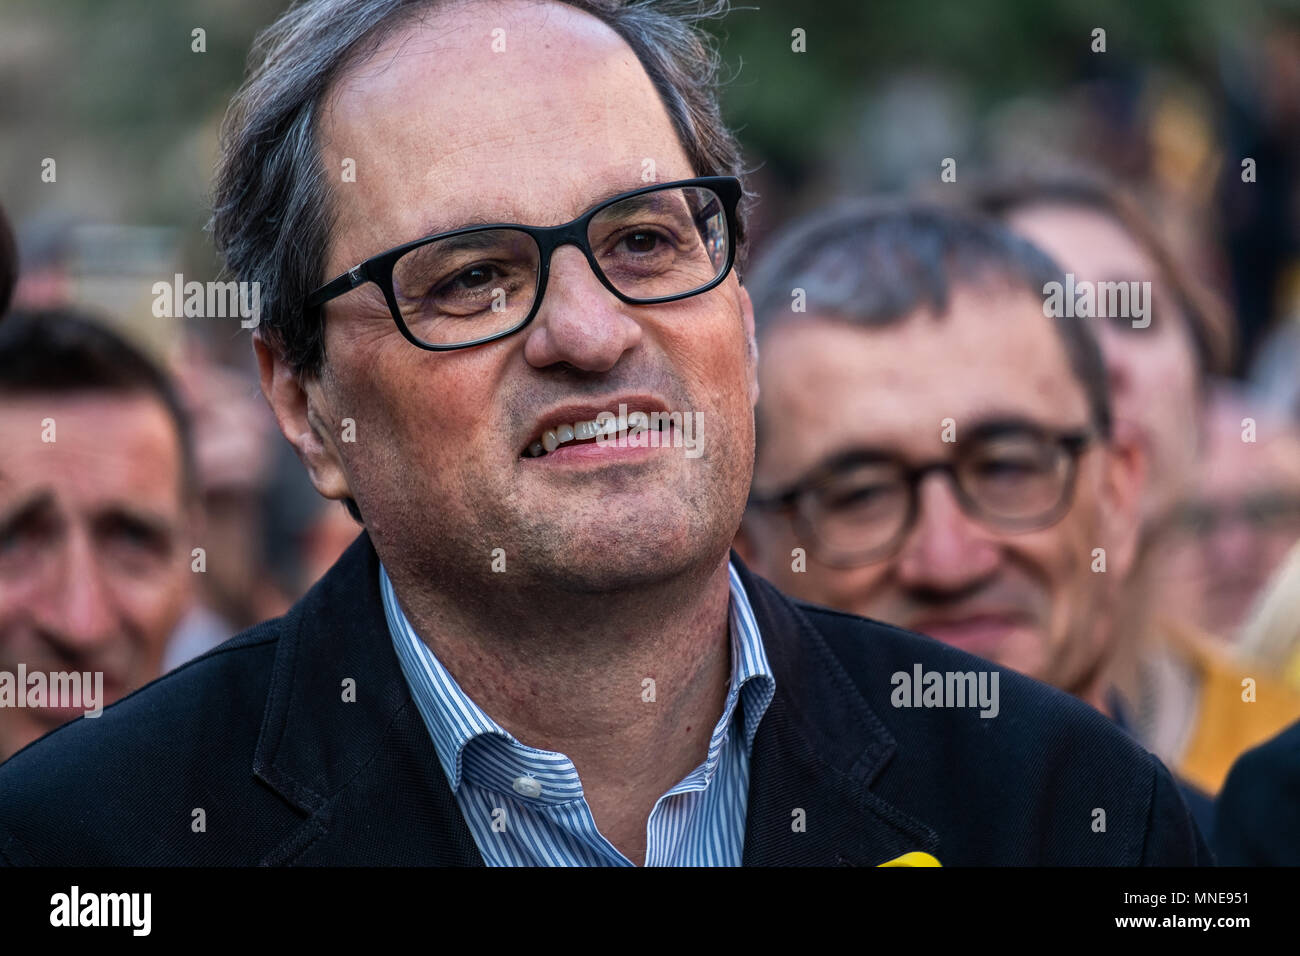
(415, 411)
(1086, 577)
(1060, 559)
(152, 602)
(21, 586)
(855, 590)
(29, 580)
(1165, 370)
(709, 346)
(862, 591)
(13, 634)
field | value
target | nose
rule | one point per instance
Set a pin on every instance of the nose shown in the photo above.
(77, 612)
(945, 550)
(580, 322)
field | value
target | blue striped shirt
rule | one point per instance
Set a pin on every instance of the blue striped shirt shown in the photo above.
(525, 807)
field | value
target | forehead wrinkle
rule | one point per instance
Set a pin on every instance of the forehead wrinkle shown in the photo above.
(369, 64)
(448, 167)
(445, 33)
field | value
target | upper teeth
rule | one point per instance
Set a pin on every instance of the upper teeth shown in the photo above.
(592, 428)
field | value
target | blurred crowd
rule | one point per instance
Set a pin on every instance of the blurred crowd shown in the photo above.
(1135, 541)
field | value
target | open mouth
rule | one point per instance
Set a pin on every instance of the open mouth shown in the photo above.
(605, 427)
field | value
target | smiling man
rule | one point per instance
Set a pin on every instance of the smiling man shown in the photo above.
(968, 485)
(483, 230)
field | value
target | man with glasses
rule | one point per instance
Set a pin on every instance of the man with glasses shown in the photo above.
(540, 651)
(940, 449)
(967, 484)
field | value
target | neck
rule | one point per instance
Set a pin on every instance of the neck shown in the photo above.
(572, 672)
(1097, 693)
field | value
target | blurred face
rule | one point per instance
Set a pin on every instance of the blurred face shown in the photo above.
(94, 567)
(450, 133)
(1153, 369)
(1236, 526)
(1026, 600)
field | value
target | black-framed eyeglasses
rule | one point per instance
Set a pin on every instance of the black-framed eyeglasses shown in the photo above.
(478, 284)
(859, 508)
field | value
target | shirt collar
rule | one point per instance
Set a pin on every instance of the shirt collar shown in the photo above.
(453, 719)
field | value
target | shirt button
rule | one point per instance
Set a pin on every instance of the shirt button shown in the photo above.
(527, 787)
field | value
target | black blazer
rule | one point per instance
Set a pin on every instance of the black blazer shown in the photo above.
(1258, 821)
(257, 735)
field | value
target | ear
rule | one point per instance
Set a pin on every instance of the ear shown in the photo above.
(304, 418)
(747, 314)
(1125, 466)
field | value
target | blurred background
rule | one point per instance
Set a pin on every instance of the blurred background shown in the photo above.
(113, 90)
(117, 93)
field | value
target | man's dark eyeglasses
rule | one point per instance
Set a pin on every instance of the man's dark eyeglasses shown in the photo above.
(860, 508)
(478, 284)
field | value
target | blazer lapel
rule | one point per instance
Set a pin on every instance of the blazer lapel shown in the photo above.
(817, 750)
(342, 739)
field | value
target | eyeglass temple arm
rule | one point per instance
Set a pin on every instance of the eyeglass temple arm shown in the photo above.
(337, 287)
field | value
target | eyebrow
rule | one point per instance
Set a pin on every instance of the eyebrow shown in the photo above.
(153, 525)
(25, 510)
(643, 202)
(1001, 426)
(41, 503)
(470, 242)
(438, 226)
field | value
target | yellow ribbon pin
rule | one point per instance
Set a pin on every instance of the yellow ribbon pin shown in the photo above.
(915, 858)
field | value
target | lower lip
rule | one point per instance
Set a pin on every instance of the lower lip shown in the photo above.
(976, 632)
(620, 450)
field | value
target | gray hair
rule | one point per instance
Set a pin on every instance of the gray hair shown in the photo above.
(879, 263)
(272, 217)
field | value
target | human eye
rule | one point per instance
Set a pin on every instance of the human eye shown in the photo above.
(862, 494)
(465, 275)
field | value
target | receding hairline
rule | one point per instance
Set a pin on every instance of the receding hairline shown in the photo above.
(423, 16)
(985, 277)
(402, 28)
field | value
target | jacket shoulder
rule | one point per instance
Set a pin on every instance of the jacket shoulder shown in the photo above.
(137, 775)
(1256, 823)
